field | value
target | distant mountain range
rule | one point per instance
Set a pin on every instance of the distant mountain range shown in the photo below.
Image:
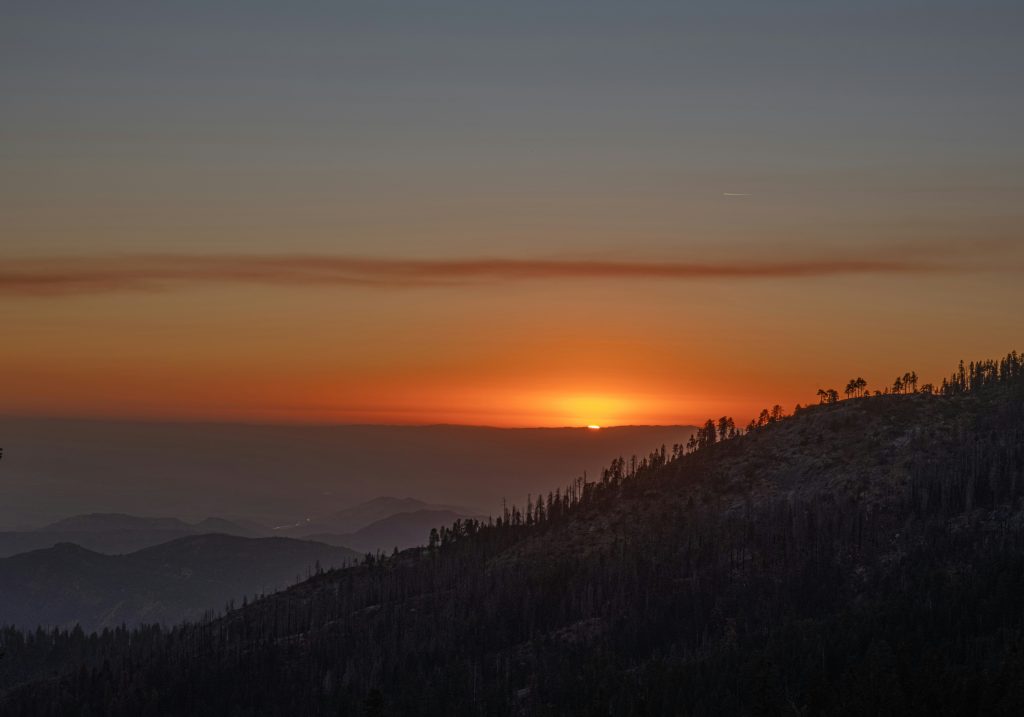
(117, 533)
(402, 530)
(379, 524)
(383, 524)
(350, 520)
(104, 569)
(182, 579)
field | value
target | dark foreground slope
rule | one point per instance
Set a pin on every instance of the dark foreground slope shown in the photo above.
(180, 580)
(859, 558)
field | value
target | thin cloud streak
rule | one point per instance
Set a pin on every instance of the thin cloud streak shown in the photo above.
(98, 275)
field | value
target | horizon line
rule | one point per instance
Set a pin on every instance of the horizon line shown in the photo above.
(271, 423)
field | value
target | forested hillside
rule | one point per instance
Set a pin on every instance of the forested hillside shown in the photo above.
(863, 556)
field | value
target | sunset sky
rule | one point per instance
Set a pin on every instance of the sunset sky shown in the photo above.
(513, 214)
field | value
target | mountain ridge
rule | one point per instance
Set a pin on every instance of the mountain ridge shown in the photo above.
(68, 584)
(400, 530)
(118, 533)
(357, 517)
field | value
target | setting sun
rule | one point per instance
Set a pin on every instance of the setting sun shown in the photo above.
(592, 410)
(594, 427)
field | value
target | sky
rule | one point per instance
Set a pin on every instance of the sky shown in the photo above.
(512, 214)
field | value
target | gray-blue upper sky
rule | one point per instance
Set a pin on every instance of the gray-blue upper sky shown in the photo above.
(478, 128)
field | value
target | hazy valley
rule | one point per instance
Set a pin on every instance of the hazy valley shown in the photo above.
(280, 475)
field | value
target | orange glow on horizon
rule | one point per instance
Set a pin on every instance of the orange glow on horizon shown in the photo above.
(239, 398)
(552, 360)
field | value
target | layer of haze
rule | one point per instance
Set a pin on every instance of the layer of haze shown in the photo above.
(878, 142)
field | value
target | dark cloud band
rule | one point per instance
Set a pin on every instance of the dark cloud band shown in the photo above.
(61, 276)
